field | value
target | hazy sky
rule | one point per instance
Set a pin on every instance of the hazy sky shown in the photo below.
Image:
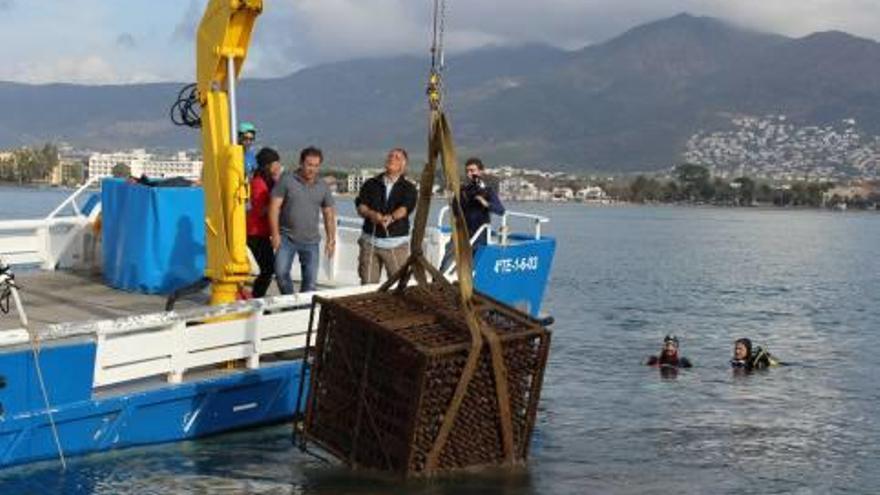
(117, 41)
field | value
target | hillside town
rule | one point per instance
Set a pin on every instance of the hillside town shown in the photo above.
(762, 161)
(772, 147)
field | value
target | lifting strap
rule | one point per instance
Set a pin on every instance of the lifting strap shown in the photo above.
(440, 145)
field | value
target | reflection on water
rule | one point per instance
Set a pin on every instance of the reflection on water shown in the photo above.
(804, 285)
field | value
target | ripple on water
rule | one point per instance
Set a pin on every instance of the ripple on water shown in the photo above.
(802, 284)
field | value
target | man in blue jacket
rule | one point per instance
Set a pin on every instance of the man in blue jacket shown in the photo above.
(478, 201)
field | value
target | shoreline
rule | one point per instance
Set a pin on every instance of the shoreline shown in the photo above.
(590, 204)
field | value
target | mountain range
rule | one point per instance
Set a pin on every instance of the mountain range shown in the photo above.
(627, 104)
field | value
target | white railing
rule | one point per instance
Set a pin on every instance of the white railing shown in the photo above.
(487, 228)
(536, 221)
(504, 228)
(46, 241)
(71, 200)
(169, 344)
(172, 343)
(503, 231)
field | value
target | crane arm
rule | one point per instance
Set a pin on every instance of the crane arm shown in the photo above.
(221, 48)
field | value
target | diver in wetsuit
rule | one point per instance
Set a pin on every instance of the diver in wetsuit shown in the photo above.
(668, 357)
(747, 358)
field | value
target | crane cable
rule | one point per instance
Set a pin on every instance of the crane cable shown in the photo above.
(438, 61)
(442, 149)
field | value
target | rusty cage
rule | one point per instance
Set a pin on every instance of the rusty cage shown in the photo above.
(386, 366)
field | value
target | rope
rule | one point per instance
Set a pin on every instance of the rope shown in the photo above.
(55, 436)
(372, 253)
(11, 289)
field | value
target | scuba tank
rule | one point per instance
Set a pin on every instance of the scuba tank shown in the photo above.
(758, 359)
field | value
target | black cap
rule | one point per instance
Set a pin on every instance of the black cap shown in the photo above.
(267, 156)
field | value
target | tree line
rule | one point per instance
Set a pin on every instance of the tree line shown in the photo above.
(695, 184)
(26, 165)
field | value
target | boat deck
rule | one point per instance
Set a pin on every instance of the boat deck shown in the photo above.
(64, 297)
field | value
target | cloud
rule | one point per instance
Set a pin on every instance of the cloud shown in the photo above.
(85, 69)
(185, 29)
(126, 40)
(314, 31)
(291, 34)
(89, 69)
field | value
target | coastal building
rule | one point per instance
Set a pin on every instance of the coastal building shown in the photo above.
(357, 178)
(68, 172)
(850, 191)
(591, 194)
(518, 189)
(332, 183)
(562, 194)
(140, 163)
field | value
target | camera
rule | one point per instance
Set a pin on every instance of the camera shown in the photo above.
(475, 186)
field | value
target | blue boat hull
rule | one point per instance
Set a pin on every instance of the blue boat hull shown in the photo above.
(158, 412)
(162, 414)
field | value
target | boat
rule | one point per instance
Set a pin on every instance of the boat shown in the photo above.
(94, 368)
(85, 367)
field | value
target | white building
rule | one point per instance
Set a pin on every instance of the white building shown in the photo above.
(517, 189)
(357, 178)
(142, 163)
(562, 194)
(591, 193)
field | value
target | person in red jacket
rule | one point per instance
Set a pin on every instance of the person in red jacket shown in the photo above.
(258, 232)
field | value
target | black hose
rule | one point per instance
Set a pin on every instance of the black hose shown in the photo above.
(186, 111)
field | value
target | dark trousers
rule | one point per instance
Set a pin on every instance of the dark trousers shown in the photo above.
(261, 247)
(449, 251)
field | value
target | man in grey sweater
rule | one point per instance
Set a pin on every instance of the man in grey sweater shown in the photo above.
(296, 202)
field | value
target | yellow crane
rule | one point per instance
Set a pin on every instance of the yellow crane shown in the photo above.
(221, 49)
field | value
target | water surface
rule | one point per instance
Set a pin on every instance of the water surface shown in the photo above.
(803, 284)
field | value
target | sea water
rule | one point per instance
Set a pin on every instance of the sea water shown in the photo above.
(802, 284)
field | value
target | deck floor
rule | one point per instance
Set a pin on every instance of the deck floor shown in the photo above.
(63, 297)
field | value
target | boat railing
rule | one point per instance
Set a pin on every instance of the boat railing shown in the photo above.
(450, 270)
(45, 242)
(170, 344)
(71, 200)
(503, 231)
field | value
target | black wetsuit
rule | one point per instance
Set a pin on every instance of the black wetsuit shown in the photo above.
(758, 360)
(666, 361)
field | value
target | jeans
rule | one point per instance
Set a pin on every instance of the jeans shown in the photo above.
(309, 256)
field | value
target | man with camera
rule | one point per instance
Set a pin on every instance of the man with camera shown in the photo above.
(478, 201)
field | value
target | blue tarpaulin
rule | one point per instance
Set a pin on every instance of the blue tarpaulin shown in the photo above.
(153, 237)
